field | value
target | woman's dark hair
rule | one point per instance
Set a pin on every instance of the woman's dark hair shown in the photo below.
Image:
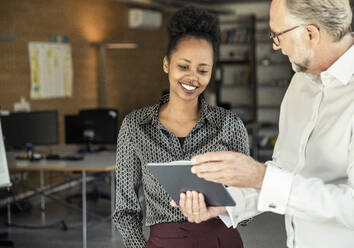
(194, 22)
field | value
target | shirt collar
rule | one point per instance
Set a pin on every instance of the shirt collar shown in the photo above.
(343, 68)
(152, 115)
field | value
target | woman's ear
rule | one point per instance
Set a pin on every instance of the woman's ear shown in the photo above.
(165, 64)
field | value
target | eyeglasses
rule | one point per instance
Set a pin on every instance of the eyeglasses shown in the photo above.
(275, 36)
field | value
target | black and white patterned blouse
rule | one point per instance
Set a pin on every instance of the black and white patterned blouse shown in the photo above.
(143, 139)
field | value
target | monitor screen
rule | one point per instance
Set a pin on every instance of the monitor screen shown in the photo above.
(73, 130)
(97, 126)
(35, 128)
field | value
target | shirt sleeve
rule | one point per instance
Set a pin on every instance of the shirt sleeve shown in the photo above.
(309, 198)
(128, 213)
(246, 206)
(245, 198)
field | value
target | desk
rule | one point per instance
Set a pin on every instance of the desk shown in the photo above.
(97, 162)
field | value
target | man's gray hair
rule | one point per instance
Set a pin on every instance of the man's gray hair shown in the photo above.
(334, 16)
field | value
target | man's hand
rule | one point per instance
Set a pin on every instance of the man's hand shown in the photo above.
(229, 168)
(193, 206)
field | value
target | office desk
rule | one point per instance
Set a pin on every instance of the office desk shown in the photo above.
(97, 162)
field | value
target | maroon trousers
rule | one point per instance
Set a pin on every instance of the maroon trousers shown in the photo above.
(210, 234)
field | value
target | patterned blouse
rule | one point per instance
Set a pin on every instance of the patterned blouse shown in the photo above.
(143, 139)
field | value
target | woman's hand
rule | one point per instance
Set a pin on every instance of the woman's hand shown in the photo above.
(193, 206)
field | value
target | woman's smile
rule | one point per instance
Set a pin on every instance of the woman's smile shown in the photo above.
(188, 87)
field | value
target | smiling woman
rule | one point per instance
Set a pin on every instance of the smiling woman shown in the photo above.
(189, 68)
(180, 126)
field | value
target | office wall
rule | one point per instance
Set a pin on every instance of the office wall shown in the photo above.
(134, 77)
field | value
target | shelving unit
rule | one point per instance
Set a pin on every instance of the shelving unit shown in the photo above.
(236, 67)
(236, 80)
(274, 73)
(251, 80)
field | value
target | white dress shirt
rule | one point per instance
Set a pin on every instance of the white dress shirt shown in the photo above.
(311, 176)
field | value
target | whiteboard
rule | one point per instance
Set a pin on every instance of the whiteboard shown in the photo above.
(4, 171)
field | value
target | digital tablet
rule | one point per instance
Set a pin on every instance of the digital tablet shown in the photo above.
(176, 177)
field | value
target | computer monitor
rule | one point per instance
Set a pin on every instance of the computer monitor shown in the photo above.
(74, 130)
(92, 126)
(23, 129)
(101, 125)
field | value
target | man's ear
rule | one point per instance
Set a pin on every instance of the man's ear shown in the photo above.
(165, 64)
(313, 34)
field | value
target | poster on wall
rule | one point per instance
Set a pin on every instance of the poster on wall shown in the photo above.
(51, 70)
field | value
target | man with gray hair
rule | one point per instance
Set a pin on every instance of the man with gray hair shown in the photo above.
(311, 176)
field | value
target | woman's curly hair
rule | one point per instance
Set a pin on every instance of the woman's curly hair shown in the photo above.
(195, 22)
